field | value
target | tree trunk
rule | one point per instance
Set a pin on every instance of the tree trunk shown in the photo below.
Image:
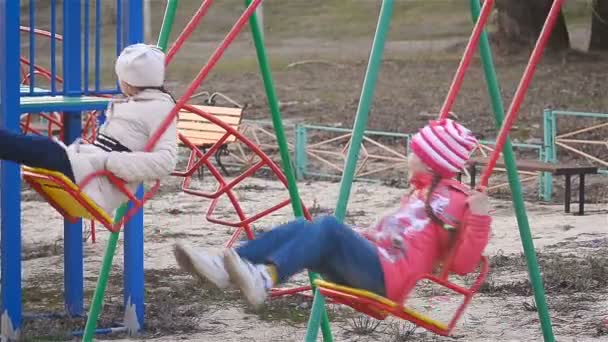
(599, 26)
(521, 21)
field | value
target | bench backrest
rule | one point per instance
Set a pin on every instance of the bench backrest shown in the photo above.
(201, 132)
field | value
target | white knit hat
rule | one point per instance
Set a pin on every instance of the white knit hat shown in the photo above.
(444, 146)
(141, 65)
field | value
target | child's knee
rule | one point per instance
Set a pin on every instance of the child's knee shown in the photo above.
(330, 225)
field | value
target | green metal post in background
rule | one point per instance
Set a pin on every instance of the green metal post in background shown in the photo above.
(514, 182)
(549, 152)
(361, 118)
(300, 151)
(365, 104)
(277, 122)
(106, 265)
(167, 26)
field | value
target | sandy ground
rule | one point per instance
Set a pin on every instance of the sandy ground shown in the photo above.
(418, 67)
(174, 215)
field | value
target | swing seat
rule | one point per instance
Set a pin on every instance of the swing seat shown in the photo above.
(72, 203)
(380, 307)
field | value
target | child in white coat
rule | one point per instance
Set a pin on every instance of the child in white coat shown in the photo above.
(119, 147)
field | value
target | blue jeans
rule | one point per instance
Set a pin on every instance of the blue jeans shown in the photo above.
(34, 151)
(325, 246)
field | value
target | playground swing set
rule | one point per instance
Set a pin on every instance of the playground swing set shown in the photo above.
(73, 204)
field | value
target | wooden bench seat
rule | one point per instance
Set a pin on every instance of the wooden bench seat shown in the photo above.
(557, 169)
(204, 134)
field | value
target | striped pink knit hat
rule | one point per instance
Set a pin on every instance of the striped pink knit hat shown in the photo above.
(444, 146)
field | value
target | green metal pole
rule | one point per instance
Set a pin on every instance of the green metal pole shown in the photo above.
(365, 104)
(106, 265)
(167, 26)
(277, 123)
(514, 182)
(102, 282)
(361, 118)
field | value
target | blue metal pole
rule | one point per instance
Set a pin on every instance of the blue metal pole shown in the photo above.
(72, 86)
(10, 178)
(133, 32)
(97, 46)
(53, 48)
(32, 37)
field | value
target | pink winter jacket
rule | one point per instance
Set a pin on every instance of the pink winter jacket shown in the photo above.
(410, 244)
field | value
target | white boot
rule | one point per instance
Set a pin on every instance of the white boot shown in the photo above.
(253, 280)
(205, 266)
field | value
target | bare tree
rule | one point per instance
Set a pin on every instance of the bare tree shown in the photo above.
(521, 21)
(599, 26)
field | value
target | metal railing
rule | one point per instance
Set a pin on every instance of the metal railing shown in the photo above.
(44, 57)
(320, 151)
(575, 141)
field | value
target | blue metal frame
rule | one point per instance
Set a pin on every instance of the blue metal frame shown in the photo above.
(86, 88)
(133, 276)
(72, 85)
(10, 178)
(74, 49)
(66, 107)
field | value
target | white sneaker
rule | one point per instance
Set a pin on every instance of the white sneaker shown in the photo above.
(205, 266)
(253, 280)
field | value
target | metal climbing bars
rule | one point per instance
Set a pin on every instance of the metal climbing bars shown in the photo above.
(226, 188)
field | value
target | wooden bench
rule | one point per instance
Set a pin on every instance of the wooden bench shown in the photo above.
(557, 169)
(204, 134)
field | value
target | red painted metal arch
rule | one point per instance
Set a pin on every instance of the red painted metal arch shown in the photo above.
(199, 159)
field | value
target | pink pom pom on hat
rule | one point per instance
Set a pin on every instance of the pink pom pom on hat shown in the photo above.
(444, 146)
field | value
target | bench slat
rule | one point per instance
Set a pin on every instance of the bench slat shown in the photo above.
(213, 136)
(191, 117)
(201, 126)
(216, 110)
(557, 169)
(206, 142)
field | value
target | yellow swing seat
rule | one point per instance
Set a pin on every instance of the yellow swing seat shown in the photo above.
(65, 196)
(380, 307)
(372, 304)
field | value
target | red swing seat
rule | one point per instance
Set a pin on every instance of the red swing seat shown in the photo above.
(380, 307)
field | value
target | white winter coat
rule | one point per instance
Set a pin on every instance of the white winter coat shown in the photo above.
(132, 122)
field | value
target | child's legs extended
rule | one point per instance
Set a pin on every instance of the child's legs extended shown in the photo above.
(334, 250)
(34, 151)
(258, 250)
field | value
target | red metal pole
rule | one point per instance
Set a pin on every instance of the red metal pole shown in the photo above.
(187, 31)
(522, 89)
(466, 59)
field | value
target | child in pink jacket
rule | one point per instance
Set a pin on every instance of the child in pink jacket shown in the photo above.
(388, 259)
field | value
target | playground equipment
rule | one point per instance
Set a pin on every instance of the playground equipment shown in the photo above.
(378, 306)
(69, 95)
(574, 142)
(65, 196)
(30, 71)
(10, 247)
